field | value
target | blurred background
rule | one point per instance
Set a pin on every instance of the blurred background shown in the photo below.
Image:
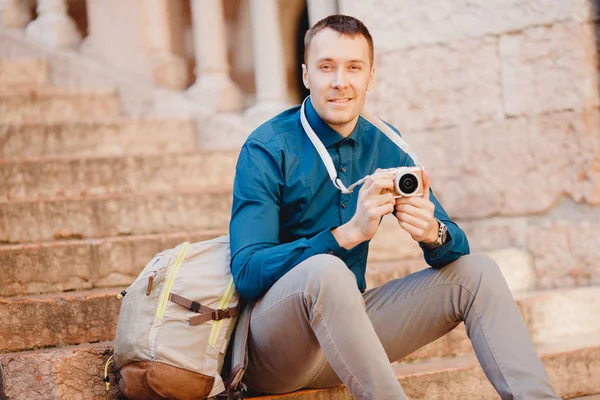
(121, 121)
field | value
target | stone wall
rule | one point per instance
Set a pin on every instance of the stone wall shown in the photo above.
(500, 98)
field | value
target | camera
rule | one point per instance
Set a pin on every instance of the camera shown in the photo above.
(408, 181)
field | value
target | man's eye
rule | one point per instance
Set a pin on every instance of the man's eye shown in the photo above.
(355, 67)
(326, 67)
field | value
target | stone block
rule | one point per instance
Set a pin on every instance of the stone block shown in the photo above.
(550, 68)
(72, 373)
(549, 155)
(439, 86)
(96, 138)
(83, 264)
(392, 242)
(57, 104)
(517, 267)
(83, 177)
(565, 253)
(495, 233)
(58, 319)
(29, 221)
(23, 72)
(396, 25)
(552, 315)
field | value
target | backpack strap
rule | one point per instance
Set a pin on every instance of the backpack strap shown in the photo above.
(236, 388)
(206, 313)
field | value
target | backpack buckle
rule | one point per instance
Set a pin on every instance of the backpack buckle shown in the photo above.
(195, 306)
(219, 314)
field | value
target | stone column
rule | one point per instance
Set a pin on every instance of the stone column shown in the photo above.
(214, 88)
(319, 9)
(53, 26)
(14, 14)
(163, 25)
(269, 63)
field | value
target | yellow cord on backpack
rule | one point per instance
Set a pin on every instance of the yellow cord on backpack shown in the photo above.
(106, 379)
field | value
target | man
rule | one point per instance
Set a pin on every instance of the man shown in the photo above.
(299, 249)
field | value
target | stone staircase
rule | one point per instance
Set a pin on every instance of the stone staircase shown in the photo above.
(89, 196)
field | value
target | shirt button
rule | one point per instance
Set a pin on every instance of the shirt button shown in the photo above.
(343, 169)
(330, 251)
(343, 205)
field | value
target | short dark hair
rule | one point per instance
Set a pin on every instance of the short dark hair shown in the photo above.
(344, 25)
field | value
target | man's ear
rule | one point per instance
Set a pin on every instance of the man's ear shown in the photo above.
(371, 78)
(305, 76)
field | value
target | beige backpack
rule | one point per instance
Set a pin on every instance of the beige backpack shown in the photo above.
(175, 323)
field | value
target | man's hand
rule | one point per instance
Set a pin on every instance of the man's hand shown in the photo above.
(415, 214)
(375, 199)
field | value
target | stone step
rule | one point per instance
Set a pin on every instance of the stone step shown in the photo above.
(62, 265)
(76, 372)
(111, 136)
(58, 319)
(134, 174)
(57, 104)
(83, 264)
(19, 72)
(571, 366)
(114, 215)
(28, 322)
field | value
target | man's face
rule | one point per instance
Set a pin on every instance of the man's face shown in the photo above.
(338, 73)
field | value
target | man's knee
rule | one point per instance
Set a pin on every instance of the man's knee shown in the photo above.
(327, 274)
(475, 270)
(326, 268)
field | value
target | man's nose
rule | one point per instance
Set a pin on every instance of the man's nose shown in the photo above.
(340, 80)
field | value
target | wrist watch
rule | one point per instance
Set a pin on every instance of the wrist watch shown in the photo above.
(442, 237)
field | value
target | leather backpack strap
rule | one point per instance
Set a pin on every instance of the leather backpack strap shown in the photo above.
(205, 313)
(239, 357)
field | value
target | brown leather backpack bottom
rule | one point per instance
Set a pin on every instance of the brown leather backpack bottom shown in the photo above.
(148, 380)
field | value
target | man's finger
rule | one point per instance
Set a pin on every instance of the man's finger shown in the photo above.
(412, 230)
(412, 220)
(380, 211)
(426, 184)
(414, 211)
(380, 182)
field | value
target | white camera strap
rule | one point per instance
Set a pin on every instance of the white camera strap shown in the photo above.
(382, 126)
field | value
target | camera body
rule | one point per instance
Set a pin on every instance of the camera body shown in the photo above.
(408, 181)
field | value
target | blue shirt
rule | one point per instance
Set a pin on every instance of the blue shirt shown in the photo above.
(285, 205)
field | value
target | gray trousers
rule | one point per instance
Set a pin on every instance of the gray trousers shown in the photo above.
(314, 329)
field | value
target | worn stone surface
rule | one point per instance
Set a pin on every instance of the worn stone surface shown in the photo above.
(396, 25)
(380, 272)
(551, 155)
(565, 253)
(573, 371)
(23, 72)
(557, 63)
(517, 267)
(550, 315)
(57, 104)
(74, 177)
(29, 221)
(439, 86)
(73, 373)
(83, 264)
(571, 364)
(87, 138)
(58, 319)
(392, 242)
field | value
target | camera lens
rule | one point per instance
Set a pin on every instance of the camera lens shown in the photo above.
(408, 183)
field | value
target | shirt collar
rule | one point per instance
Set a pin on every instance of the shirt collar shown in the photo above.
(327, 134)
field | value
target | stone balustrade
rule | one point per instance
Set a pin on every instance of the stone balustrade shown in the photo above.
(148, 38)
